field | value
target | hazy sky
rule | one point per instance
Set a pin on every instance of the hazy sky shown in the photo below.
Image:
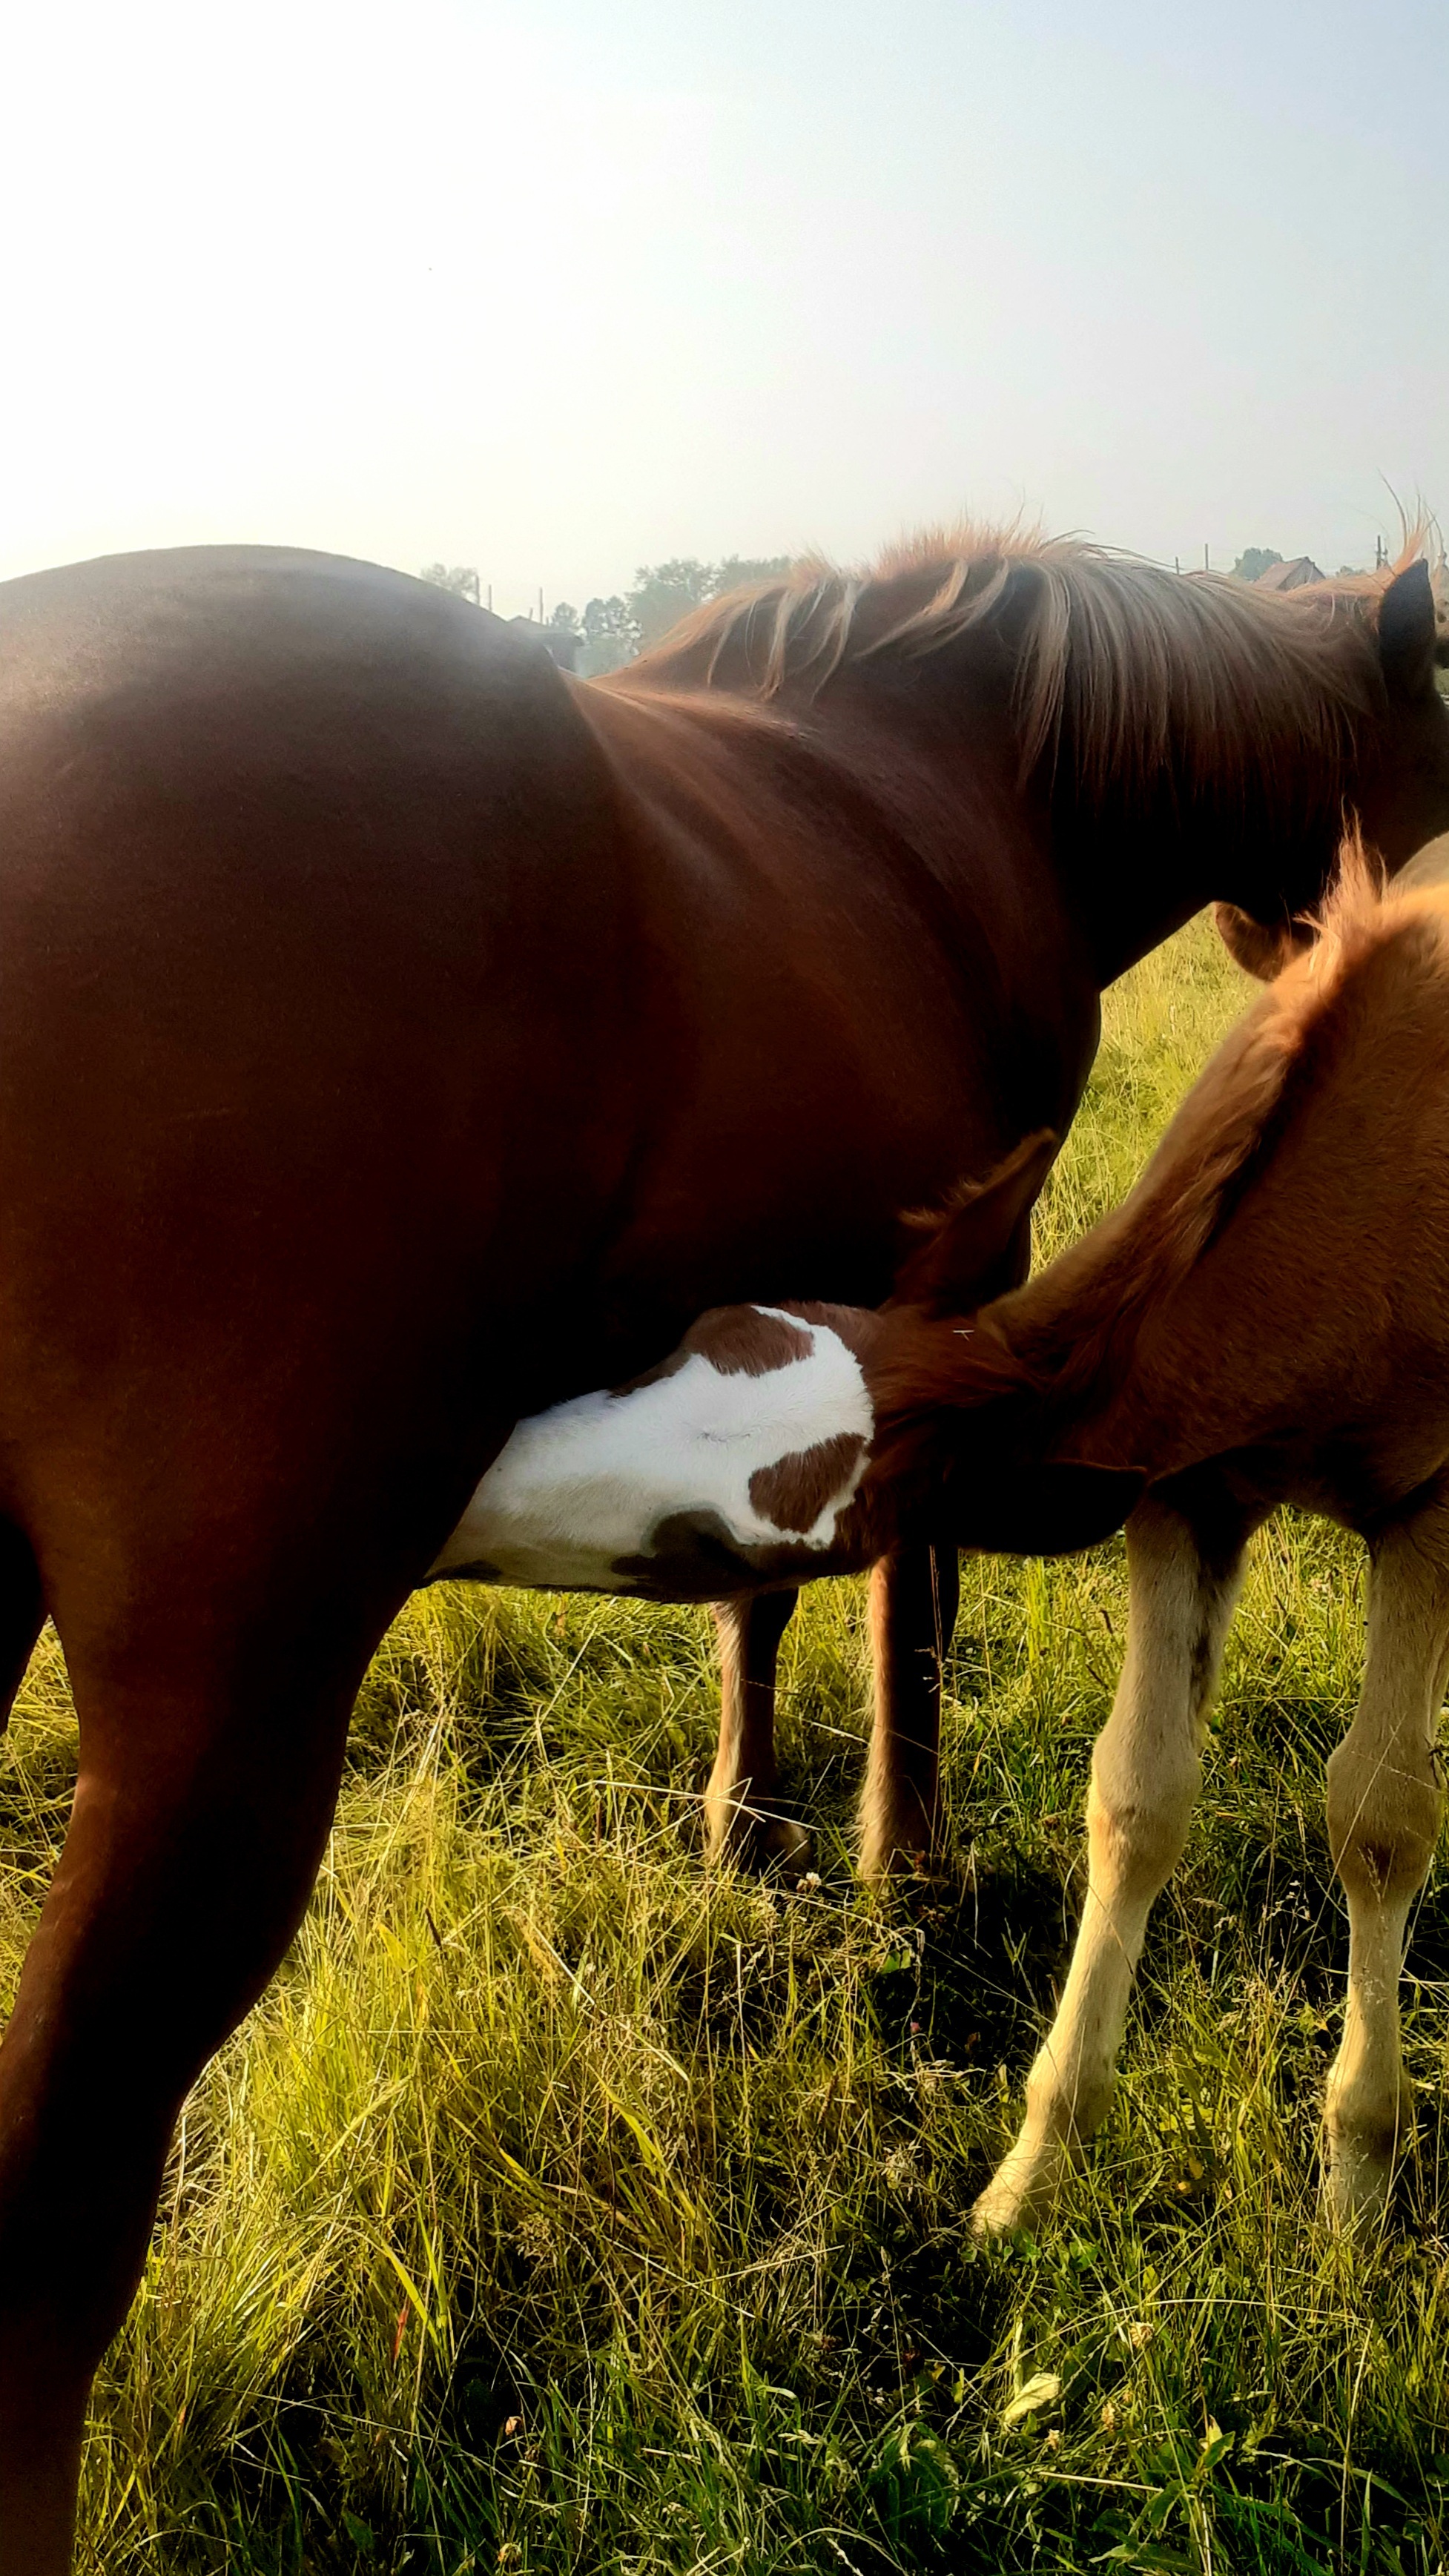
(556, 287)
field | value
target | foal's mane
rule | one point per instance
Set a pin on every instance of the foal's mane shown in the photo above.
(1132, 665)
(1064, 1340)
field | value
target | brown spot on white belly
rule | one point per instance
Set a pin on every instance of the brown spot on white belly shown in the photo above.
(652, 1376)
(742, 1451)
(738, 1341)
(797, 1489)
(746, 1341)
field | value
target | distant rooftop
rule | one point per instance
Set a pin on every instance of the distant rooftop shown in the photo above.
(558, 643)
(1289, 576)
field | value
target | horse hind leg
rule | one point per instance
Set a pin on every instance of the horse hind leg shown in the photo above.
(202, 1805)
(914, 1594)
(1384, 1802)
(1185, 1571)
(22, 1612)
(742, 1821)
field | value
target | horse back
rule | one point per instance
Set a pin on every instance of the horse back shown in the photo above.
(316, 1083)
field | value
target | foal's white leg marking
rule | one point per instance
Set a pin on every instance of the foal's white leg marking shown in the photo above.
(1383, 1816)
(1145, 1775)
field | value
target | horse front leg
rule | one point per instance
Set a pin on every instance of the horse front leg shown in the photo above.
(201, 1809)
(914, 1595)
(1384, 1803)
(742, 1822)
(1185, 1570)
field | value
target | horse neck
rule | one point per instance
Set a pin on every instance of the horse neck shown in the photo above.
(1243, 802)
(1131, 867)
(1135, 873)
(1130, 886)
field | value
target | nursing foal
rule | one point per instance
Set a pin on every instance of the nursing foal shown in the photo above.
(1264, 1320)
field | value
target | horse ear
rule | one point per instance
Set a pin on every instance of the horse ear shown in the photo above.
(1261, 948)
(1407, 638)
(968, 1254)
(1050, 1510)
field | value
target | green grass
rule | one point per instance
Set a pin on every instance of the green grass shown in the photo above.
(563, 2208)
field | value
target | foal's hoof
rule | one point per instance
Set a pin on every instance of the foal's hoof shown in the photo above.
(757, 1838)
(899, 1845)
(1357, 2182)
(1021, 2194)
(1360, 2159)
(895, 1864)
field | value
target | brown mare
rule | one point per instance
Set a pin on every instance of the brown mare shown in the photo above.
(395, 1039)
(1264, 1320)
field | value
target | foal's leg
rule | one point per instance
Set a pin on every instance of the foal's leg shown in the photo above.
(203, 1801)
(1383, 1815)
(914, 1593)
(740, 1819)
(1145, 1774)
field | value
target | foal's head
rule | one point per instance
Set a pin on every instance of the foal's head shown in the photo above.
(963, 1422)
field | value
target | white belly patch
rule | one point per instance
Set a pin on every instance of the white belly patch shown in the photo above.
(740, 1453)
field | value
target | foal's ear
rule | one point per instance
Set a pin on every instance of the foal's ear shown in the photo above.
(968, 1254)
(1407, 637)
(1050, 1510)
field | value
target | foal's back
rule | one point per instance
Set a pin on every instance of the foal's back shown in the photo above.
(1312, 1323)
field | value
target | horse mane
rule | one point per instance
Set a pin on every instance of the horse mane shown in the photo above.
(1139, 669)
(1065, 1340)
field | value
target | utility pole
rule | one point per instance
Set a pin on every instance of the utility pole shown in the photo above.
(1207, 567)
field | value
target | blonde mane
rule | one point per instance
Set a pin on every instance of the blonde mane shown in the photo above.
(1136, 668)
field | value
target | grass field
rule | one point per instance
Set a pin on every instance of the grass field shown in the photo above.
(564, 2208)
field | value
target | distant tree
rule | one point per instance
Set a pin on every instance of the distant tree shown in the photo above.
(663, 593)
(614, 630)
(737, 571)
(460, 579)
(1254, 561)
(610, 637)
(565, 617)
